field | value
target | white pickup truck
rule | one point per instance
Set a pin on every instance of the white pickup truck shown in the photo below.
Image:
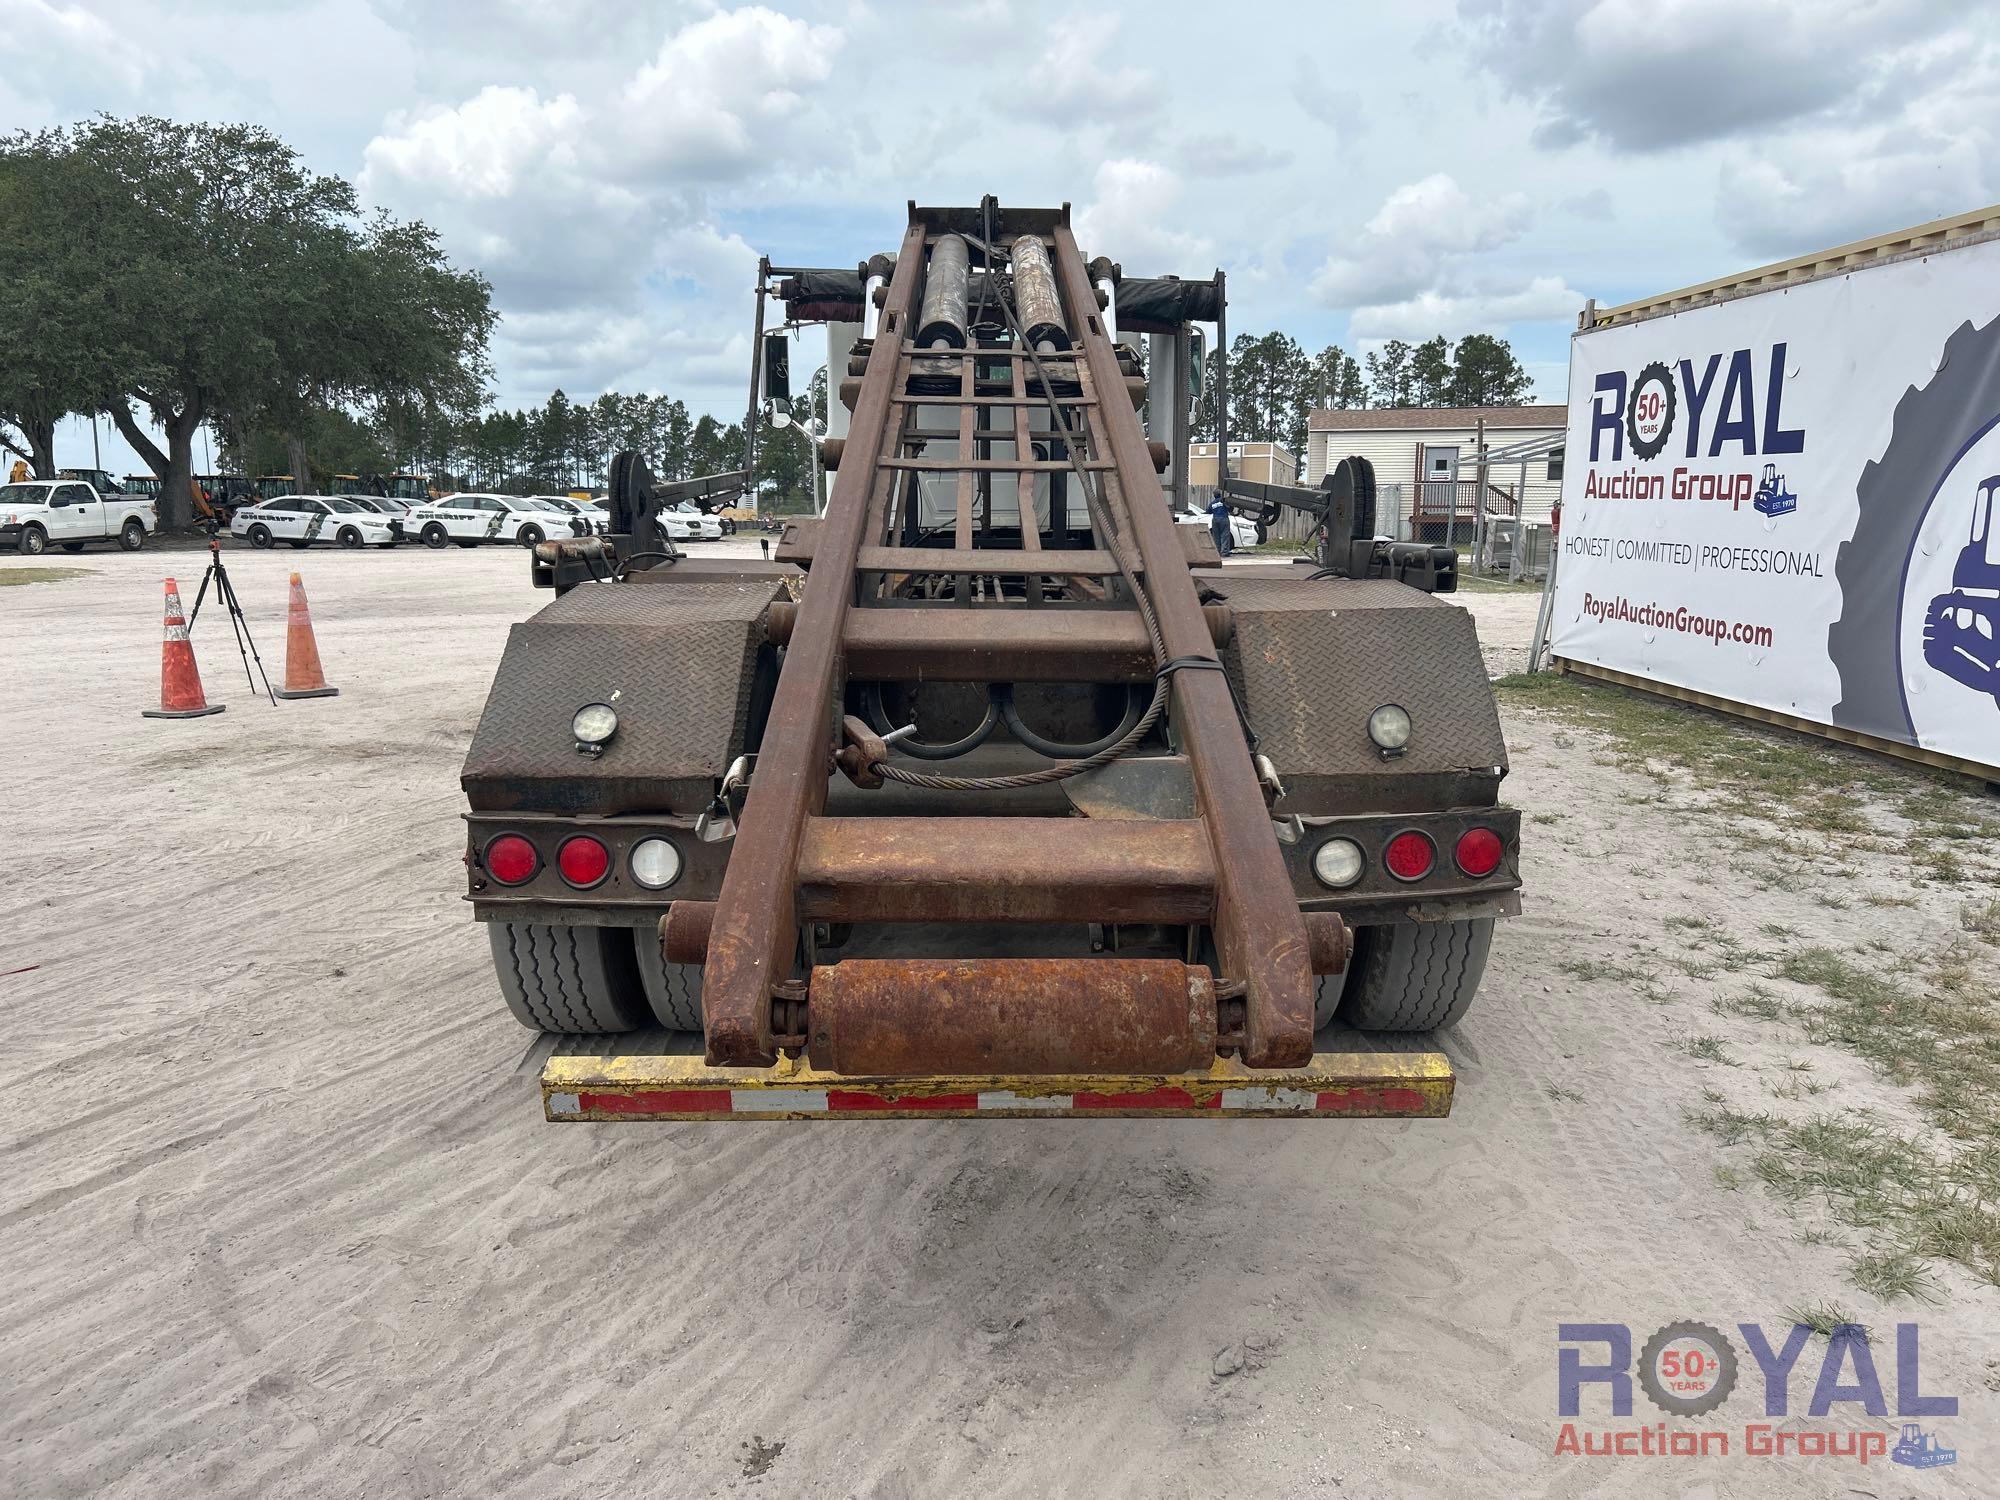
(70, 513)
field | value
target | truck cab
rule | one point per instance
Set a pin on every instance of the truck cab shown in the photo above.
(70, 514)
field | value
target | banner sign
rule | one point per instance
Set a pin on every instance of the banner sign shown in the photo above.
(1789, 500)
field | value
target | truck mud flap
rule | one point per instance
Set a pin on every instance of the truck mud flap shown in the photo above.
(584, 1080)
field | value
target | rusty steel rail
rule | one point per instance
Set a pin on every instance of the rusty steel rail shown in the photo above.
(755, 934)
(1036, 612)
(1258, 933)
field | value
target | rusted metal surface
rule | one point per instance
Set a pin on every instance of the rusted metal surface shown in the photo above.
(756, 929)
(1223, 869)
(942, 323)
(911, 1017)
(650, 1082)
(1329, 941)
(1258, 932)
(684, 932)
(1036, 300)
(1004, 870)
(997, 644)
(800, 539)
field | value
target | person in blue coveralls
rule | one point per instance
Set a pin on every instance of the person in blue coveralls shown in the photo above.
(1218, 525)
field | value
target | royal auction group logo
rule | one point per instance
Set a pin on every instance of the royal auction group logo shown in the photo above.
(1689, 1369)
(1650, 410)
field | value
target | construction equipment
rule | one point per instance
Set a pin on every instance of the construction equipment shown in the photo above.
(1917, 1449)
(417, 487)
(1772, 498)
(993, 792)
(1962, 628)
(1342, 537)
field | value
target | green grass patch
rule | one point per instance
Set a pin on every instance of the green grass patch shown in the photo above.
(1918, 1197)
(1826, 1319)
(1804, 798)
(10, 576)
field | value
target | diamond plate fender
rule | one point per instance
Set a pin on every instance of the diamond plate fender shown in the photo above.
(678, 647)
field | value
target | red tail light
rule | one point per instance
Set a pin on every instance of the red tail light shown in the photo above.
(1409, 856)
(1479, 851)
(583, 861)
(511, 859)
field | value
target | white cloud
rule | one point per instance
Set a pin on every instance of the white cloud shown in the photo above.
(49, 43)
(485, 148)
(1422, 231)
(1544, 299)
(1647, 75)
(720, 93)
(1225, 154)
(1130, 217)
(1438, 214)
(1822, 187)
(596, 222)
(1074, 80)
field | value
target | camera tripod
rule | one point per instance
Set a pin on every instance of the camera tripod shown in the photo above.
(226, 592)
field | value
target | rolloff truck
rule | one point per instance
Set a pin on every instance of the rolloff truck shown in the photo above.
(991, 792)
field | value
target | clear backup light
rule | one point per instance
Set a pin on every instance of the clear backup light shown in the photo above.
(656, 863)
(1337, 863)
(1389, 728)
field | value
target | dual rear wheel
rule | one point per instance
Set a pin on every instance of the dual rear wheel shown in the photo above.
(1403, 977)
(576, 980)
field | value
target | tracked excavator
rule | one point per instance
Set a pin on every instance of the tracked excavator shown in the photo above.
(991, 793)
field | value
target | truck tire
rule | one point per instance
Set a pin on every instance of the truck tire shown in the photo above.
(1932, 428)
(34, 541)
(673, 990)
(72, 546)
(132, 536)
(571, 980)
(1408, 976)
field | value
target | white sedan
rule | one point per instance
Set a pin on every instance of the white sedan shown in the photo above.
(686, 524)
(1242, 530)
(305, 519)
(576, 510)
(470, 519)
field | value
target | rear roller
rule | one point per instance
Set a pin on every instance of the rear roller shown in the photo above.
(571, 980)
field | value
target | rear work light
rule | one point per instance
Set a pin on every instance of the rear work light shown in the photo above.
(583, 861)
(1409, 856)
(1479, 851)
(511, 859)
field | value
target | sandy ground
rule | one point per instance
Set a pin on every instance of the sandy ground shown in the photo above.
(281, 1217)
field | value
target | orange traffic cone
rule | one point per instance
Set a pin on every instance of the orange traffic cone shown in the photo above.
(303, 677)
(180, 683)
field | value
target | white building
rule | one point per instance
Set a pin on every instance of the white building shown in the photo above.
(1426, 461)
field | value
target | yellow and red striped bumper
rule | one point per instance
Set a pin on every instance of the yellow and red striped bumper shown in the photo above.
(642, 1086)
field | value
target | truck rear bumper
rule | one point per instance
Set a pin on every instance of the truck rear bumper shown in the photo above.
(648, 1076)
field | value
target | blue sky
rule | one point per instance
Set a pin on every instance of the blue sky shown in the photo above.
(1362, 171)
